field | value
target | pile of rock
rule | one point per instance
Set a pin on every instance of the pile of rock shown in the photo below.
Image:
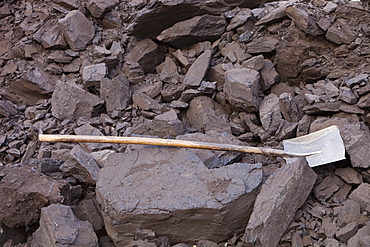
(237, 72)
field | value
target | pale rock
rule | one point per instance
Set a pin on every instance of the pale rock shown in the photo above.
(60, 227)
(77, 30)
(198, 69)
(94, 73)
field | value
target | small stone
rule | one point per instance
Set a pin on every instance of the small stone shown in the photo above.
(349, 175)
(98, 7)
(268, 74)
(347, 232)
(361, 233)
(88, 210)
(340, 32)
(304, 18)
(116, 93)
(198, 70)
(362, 196)
(262, 45)
(239, 19)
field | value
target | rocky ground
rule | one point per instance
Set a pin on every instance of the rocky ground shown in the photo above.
(236, 72)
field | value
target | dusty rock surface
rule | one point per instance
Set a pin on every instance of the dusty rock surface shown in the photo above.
(237, 72)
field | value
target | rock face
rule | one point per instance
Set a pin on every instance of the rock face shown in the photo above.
(196, 29)
(23, 194)
(174, 186)
(60, 227)
(279, 203)
(241, 88)
(72, 102)
(77, 30)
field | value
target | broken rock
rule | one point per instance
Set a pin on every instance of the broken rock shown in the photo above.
(137, 193)
(69, 101)
(98, 7)
(60, 227)
(116, 93)
(198, 70)
(241, 88)
(94, 73)
(196, 29)
(362, 196)
(23, 193)
(281, 195)
(77, 30)
(340, 32)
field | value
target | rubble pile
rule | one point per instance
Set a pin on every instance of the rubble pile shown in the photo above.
(235, 72)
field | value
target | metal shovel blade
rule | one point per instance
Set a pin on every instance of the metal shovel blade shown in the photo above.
(327, 142)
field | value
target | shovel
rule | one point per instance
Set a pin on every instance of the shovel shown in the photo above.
(321, 147)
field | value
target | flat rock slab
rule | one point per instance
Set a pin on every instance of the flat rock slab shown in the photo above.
(281, 195)
(69, 101)
(196, 29)
(23, 193)
(60, 227)
(170, 191)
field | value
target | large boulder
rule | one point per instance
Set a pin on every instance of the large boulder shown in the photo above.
(173, 194)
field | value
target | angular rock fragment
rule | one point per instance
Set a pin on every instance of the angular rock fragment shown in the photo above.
(7, 109)
(262, 45)
(23, 193)
(116, 93)
(362, 196)
(241, 88)
(137, 193)
(169, 71)
(146, 103)
(60, 227)
(94, 73)
(349, 175)
(360, 236)
(304, 18)
(235, 53)
(88, 210)
(167, 125)
(198, 70)
(327, 187)
(87, 129)
(268, 74)
(196, 29)
(340, 32)
(77, 30)
(281, 195)
(349, 212)
(210, 158)
(72, 102)
(99, 7)
(147, 54)
(270, 115)
(50, 36)
(154, 18)
(346, 232)
(81, 166)
(274, 15)
(205, 114)
(239, 19)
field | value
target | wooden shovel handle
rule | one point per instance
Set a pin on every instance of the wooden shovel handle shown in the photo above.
(168, 142)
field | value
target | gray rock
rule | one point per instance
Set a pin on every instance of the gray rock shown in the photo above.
(169, 71)
(146, 103)
(99, 7)
(270, 115)
(349, 212)
(347, 95)
(239, 19)
(205, 114)
(241, 88)
(81, 166)
(167, 125)
(147, 54)
(88, 210)
(94, 73)
(340, 32)
(327, 187)
(154, 18)
(362, 196)
(256, 62)
(274, 15)
(289, 108)
(50, 36)
(198, 70)
(71, 102)
(77, 30)
(281, 195)
(262, 45)
(211, 158)
(196, 29)
(87, 129)
(60, 227)
(7, 109)
(346, 232)
(349, 175)
(235, 53)
(268, 74)
(359, 236)
(364, 101)
(116, 93)
(304, 18)
(173, 191)
(23, 193)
